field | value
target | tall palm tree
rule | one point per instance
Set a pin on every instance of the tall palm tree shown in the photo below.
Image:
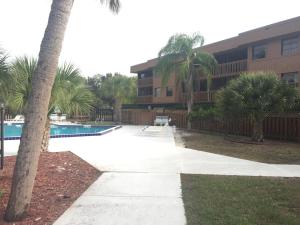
(67, 84)
(37, 107)
(182, 56)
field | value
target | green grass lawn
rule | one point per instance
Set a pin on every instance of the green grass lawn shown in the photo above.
(236, 200)
(269, 152)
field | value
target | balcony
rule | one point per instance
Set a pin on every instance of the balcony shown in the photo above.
(144, 99)
(200, 96)
(145, 81)
(231, 68)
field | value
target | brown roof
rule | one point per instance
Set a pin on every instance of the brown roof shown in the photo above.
(266, 32)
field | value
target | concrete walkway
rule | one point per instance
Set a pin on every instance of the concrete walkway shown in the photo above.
(141, 183)
(141, 186)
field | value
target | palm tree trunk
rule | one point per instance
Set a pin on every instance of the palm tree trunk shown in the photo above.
(208, 93)
(258, 131)
(208, 86)
(36, 111)
(190, 100)
(46, 136)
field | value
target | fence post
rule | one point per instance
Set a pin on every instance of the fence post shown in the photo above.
(298, 128)
(2, 135)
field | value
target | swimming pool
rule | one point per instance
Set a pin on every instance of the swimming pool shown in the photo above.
(13, 131)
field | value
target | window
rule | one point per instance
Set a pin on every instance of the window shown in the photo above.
(196, 86)
(290, 46)
(157, 92)
(145, 74)
(203, 85)
(169, 91)
(259, 51)
(145, 91)
(291, 78)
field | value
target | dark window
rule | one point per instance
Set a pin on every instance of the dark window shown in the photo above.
(290, 46)
(157, 92)
(291, 78)
(145, 74)
(203, 85)
(145, 91)
(169, 91)
(259, 51)
(196, 86)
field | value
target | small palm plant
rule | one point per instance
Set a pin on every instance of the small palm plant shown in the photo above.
(69, 92)
(183, 57)
(255, 95)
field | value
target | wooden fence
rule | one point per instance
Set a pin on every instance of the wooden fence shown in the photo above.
(280, 126)
(102, 115)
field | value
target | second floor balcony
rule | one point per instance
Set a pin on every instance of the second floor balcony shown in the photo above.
(145, 81)
(231, 68)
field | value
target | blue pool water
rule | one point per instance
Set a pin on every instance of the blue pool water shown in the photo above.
(15, 130)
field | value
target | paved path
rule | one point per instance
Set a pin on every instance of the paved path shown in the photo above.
(141, 184)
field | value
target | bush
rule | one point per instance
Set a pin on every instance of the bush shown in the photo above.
(204, 112)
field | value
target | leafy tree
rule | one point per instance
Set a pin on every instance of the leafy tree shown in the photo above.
(95, 84)
(182, 56)
(37, 107)
(255, 95)
(113, 91)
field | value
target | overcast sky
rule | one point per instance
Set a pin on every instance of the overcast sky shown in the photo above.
(98, 41)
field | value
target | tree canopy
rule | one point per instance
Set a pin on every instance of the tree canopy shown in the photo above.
(110, 88)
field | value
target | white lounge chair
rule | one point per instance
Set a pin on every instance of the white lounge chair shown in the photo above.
(162, 121)
(17, 119)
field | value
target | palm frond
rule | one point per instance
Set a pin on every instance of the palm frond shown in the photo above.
(4, 76)
(21, 73)
(114, 5)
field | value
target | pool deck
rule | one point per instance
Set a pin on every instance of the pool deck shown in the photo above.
(141, 179)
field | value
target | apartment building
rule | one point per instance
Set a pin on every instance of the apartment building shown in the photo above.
(274, 47)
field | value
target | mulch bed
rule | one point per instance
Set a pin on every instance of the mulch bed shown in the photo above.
(62, 177)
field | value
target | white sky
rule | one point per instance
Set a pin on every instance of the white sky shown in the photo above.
(98, 41)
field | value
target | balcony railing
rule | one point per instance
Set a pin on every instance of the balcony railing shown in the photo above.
(145, 81)
(231, 68)
(144, 99)
(200, 96)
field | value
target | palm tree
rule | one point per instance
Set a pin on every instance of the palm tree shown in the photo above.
(4, 78)
(69, 92)
(37, 107)
(182, 56)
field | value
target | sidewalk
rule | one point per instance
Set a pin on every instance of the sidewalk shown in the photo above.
(129, 198)
(141, 186)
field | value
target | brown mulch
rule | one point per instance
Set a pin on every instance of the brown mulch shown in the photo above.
(62, 177)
